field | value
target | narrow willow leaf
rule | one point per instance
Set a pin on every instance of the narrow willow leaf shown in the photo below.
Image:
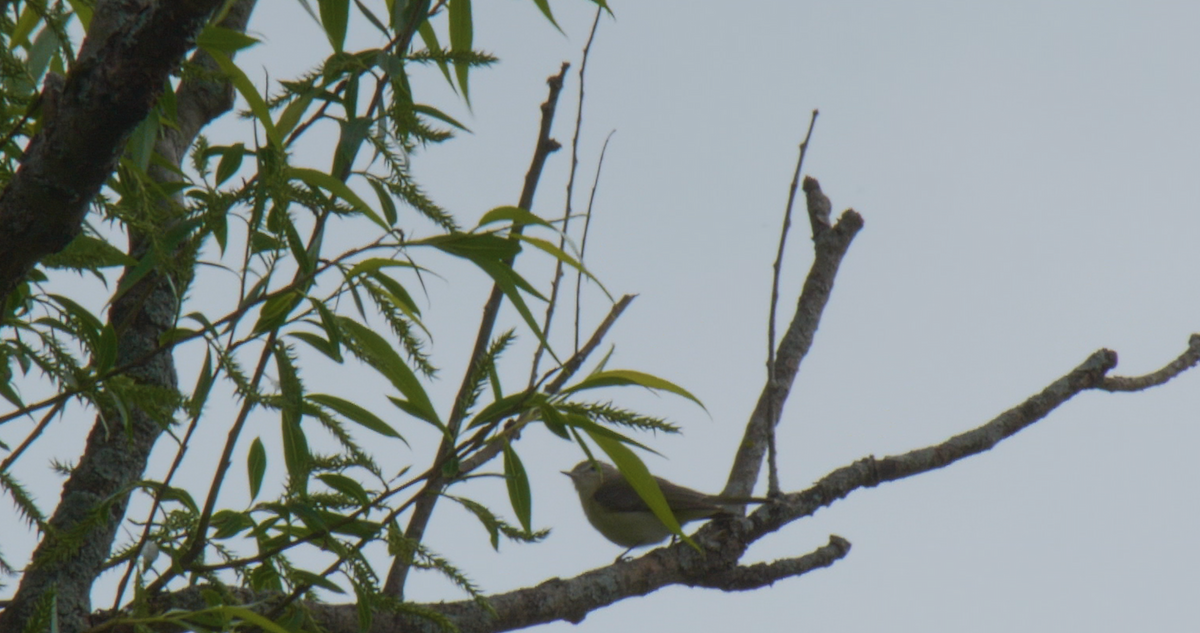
(563, 257)
(231, 161)
(106, 351)
(227, 41)
(554, 420)
(378, 353)
(506, 406)
(625, 377)
(461, 40)
(353, 132)
(204, 383)
(346, 486)
(321, 345)
(256, 466)
(316, 580)
(516, 215)
(431, 111)
(295, 445)
(257, 104)
(356, 414)
(544, 7)
(251, 617)
(518, 488)
(429, 36)
(335, 15)
(577, 421)
(385, 201)
(275, 311)
(322, 180)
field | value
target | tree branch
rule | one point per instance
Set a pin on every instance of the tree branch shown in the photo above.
(723, 541)
(123, 65)
(423, 511)
(830, 247)
(127, 57)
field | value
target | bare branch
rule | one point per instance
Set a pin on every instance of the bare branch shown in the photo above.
(830, 246)
(748, 577)
(723, 541)
(870, 472)
(548, 322)
(772, 406)
(1188, 359)
(428, 499)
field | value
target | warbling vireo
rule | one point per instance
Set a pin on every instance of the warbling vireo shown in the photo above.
(614, 508)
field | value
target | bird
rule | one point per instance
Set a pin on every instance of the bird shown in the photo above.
(618, 513)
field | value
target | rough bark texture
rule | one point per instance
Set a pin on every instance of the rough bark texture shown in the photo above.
(114, 457)
(131, 50)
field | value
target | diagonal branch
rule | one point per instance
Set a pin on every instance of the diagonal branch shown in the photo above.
(756, 576)
(830, 245)
(423, 511)
(724, 541)
(127, 58)
(1187, 360)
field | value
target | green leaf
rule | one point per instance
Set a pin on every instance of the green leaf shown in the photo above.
(204, 383)
(231, 161)
(322, 180)
(639, 477)
(321, 345)
(295, 446)
(275, 311)
(106, 351)
(544, 7)
(356, 414)
(431, 111)
(29, 18)
(429, 36)
(86, 251)
(385, 201)
(346, 486)
(335, 15)
(315, 580)
(251, 617)
(504, 407)
(228, 41)
(258, 106)
(378, 353)
(461, 40)
(561, 256)
(351, 139)
(294, 110)
(256, 466)
(83, 10)
(518, 488)
(578, 421)
(554, 420)
(516, 215)
(624, 377)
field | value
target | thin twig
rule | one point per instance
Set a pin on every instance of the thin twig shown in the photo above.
(423, 511)
(1188, 359)
(496, 443)
(587, 224)
(33, 435)
(198, 538)
(772, 405)
(566, 220)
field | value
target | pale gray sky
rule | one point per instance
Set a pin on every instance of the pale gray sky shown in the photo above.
(1028, 175)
